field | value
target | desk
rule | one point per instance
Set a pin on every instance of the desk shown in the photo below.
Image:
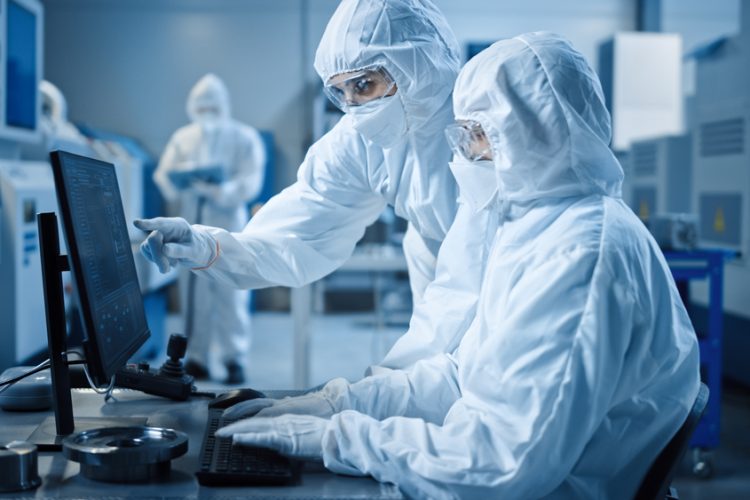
(383, 259)
(60, 477)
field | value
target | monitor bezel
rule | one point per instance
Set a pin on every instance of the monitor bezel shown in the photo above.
(100, 370)
(9, 132)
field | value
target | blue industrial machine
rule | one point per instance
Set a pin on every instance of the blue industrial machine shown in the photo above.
(706, 266)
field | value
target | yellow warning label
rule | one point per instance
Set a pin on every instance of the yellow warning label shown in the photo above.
(719, 224)
(643, 210)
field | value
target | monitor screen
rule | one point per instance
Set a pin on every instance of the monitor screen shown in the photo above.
(101, 261)
(21, 67)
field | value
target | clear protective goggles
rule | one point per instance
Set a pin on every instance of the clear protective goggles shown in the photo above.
(468, 140)
(359, 87)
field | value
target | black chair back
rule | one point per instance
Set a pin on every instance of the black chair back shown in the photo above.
(656, 483)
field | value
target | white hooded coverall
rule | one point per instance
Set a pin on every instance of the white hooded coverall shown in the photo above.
(214, 310)
(346, 180)
(580, 362)
(57, 130)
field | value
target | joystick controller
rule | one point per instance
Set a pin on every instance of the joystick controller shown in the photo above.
(170, 381)
(176, 351)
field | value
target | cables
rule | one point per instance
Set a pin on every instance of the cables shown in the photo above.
(46, 364)
(106, 391)
(41, 366)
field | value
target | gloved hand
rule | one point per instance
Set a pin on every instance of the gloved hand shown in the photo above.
(323, 403)
(173, 241)
(291, 435)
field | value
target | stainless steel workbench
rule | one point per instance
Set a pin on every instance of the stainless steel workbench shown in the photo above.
(61, 478)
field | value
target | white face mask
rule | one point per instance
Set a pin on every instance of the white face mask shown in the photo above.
(477, 183)
(207, 119)
(382, 121)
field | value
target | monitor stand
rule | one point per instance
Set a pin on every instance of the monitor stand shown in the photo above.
(51, 432)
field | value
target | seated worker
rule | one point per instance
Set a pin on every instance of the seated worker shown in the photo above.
(580, 362)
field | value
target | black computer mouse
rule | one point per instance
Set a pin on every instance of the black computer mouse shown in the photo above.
(233, 397)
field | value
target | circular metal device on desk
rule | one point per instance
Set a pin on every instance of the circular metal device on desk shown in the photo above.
(18, 464)
(125, 454)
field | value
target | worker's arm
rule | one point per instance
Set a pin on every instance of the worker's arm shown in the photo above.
(427, 389)
(169, 159)
(537, 379)
(448, 305)
(310, 228)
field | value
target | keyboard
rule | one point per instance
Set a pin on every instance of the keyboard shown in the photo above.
(223, 464)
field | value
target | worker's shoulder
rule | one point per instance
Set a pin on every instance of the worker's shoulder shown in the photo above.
(596, 224)
(574, 223)
(186, 132)
(621, 241)
(622, 228)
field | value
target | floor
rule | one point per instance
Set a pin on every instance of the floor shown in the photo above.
(343, 345)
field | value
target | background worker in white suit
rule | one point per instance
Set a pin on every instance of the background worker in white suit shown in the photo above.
(215, 314)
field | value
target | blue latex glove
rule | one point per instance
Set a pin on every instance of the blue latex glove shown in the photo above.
(298, 436)
(174, 242)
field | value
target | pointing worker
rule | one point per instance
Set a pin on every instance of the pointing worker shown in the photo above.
(390, 66)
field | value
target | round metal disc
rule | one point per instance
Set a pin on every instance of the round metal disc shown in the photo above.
(115, 453)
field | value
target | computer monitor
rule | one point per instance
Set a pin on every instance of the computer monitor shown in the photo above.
(21, 27)
(104, 278)
(101, 261)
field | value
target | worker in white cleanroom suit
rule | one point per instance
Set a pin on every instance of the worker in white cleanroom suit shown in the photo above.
(580, 362)
(390, 65)
(215, 313)
(57, 131)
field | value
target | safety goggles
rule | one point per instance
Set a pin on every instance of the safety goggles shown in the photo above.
(468, 140)
(359, 87)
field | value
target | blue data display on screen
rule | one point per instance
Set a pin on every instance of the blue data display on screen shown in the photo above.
(21, 67)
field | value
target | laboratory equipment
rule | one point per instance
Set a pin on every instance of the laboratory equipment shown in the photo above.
(21, 59)
(28, 394)
(169, 381)
(721, 161)
(641, 75)
(126, 454)
(674, 231)
(660, 172)
(25, 189)
(721, 197)
(18, 461)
